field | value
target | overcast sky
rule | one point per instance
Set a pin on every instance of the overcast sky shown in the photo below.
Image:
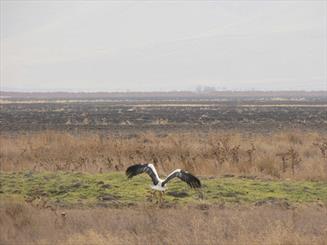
(163, 45)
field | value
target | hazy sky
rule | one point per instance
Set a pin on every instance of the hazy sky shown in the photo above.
(163, 45)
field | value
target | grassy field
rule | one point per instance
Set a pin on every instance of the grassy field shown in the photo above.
(66, 189)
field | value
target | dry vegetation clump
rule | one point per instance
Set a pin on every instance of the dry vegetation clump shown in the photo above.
(23, 224)
(295, 155)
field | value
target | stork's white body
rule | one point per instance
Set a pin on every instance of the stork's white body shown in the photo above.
(159, 187)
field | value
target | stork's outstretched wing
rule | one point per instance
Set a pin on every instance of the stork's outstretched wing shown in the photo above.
(190, 179)
(143, 168)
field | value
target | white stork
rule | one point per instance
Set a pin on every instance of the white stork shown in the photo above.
(158, 183)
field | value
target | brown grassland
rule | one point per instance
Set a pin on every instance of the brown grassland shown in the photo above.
(286, 155)
(292, 155)
(24, 224)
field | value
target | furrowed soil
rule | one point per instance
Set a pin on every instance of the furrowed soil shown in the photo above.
(129, 114)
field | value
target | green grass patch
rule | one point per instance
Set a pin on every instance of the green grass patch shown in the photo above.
(83, 189)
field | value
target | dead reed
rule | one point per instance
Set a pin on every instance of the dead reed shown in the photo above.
(24, 224)
(296, 155)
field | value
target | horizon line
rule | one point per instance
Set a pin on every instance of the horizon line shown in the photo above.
(163, 91)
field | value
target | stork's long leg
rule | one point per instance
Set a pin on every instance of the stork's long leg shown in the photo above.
(157, 196)
(152, 194)
(153, 197)
(160, 198)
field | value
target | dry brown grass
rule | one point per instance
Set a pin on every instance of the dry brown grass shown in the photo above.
(23, 224)
(296, 155)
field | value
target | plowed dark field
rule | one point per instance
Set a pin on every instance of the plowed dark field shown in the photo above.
(128, 116)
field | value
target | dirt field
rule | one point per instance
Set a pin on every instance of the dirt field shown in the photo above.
(128, 114)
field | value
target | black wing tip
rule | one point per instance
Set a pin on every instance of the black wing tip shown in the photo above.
(132, 170)
(196, 183)
(193, 182)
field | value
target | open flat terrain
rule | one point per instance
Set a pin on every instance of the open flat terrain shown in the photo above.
(262, 160)
(130, 113)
